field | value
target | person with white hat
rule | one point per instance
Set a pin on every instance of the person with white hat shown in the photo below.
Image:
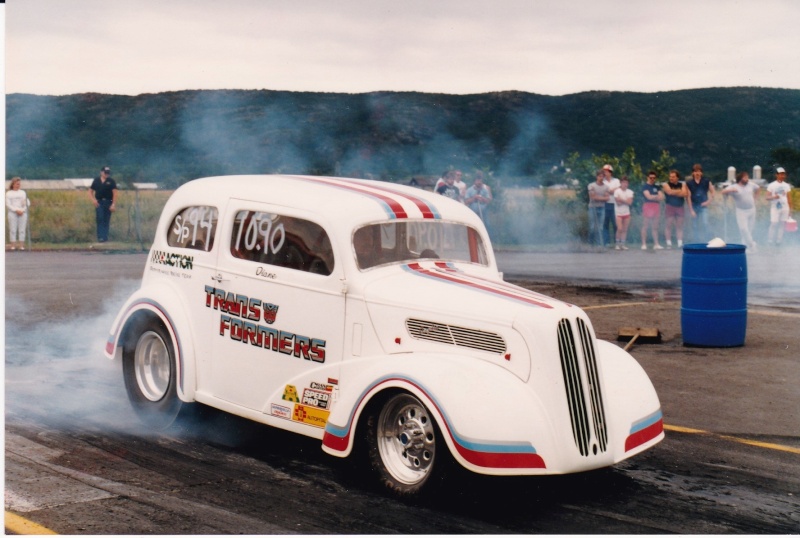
(609, 221)
(780, 205)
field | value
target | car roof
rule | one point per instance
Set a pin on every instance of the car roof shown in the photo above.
(348, 202)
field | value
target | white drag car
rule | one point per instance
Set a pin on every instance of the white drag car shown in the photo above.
(372, 315)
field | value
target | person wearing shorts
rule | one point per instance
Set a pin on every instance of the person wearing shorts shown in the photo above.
(623, 198)
(675, 194)
(651, 210)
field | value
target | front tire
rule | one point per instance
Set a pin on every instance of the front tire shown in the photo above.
(150, 373)
(404, 444)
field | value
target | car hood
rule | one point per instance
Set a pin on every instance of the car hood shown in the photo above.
(412, 308)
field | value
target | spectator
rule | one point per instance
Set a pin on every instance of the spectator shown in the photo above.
(651, 210)
(609, 219)
(780, 206)
(675, 194)
(701, 192)
(598, 196)
(623, 199)
(103, 193)
(460, 185)
(17, 204)
(479, 196)
(448, 188)
(744, 197)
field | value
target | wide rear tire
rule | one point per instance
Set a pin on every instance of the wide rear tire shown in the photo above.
(150, 373)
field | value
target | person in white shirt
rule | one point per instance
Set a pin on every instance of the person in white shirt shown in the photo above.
(17, 205)
(780, 205)
(623, 198)
(744, 197)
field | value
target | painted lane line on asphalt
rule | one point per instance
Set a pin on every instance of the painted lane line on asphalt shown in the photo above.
(742, 440)
(20, 525)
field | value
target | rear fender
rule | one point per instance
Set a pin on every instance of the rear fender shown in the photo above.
(487, 416)
(171, 312)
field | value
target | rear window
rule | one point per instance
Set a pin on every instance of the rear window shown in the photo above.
(194, 228)
(282, 241)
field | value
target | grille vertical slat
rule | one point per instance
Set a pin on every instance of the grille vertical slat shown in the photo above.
(580, 386)
(590, 360)
(574, 386)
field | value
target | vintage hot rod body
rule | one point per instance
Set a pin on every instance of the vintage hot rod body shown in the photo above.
(365, 313)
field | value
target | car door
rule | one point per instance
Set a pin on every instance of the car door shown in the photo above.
(280, 299)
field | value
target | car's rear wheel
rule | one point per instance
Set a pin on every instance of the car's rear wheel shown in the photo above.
(402, 440)
(149, 369)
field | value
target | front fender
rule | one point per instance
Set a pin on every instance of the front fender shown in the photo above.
(486, 414)
(169, 308)
(632, 401)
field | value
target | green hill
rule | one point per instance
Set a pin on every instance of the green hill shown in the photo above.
(176, 136)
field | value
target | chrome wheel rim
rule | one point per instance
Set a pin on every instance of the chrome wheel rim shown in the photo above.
(152, 366)
(406, 439)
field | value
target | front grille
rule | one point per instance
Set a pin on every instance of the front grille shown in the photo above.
(582, 385)
(456, 336)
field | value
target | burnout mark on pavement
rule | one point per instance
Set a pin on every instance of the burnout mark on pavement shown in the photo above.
(742, 440)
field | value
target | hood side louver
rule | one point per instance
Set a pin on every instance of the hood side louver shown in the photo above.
(456, 336)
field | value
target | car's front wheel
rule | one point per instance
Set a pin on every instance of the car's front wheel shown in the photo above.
(404, 443)
(149, 369)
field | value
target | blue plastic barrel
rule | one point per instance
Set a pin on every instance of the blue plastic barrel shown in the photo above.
(714, 296)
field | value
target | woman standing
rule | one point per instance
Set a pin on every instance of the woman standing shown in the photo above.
(651, 210)
(17, 205)
(675, 192)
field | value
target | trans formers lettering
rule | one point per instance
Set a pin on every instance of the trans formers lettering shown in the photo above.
(239, 313)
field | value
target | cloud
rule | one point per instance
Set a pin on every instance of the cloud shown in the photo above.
(546, 46)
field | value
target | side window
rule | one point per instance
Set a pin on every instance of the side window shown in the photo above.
(194, 227)
(283, 241)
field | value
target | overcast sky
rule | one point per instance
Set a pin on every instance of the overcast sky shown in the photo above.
(553, 47)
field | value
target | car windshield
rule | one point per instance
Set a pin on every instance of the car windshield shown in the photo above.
(410, 241)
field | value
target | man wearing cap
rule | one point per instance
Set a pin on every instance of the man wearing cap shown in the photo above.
(780, 206)
(103, 193)
(610, 220)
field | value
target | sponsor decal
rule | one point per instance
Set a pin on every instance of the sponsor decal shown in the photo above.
(310, 415)
(239, 320)
(322, 386)
(180, 261)
(290, 394)
(281, 411)
(317, 398)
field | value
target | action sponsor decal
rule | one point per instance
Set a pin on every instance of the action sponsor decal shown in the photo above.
(281, 411)
(170, 259)
(239, 320)
(310, 415)
(171, 264)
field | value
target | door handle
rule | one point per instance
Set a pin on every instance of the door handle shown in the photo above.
(218, 278)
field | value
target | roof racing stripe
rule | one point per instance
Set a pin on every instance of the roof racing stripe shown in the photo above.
(453, 276)
(386, 196)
